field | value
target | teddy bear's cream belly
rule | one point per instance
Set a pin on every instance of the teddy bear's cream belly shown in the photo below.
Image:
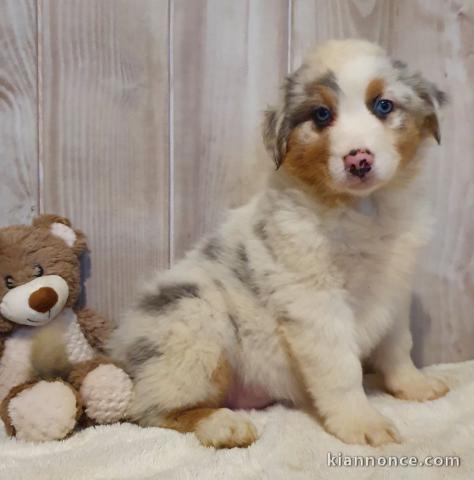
(15, 365)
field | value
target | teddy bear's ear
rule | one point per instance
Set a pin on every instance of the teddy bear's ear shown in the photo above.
(61, 227)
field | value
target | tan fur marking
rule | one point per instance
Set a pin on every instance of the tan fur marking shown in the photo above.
(374, 89)
(431, 125)
(188, 421)
(321, 94)
(408, 139)
(317, 95)
(185, 421)
(309, 163)
(221, 379)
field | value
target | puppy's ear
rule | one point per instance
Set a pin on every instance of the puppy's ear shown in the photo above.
(275, 134)
(279, 122)
(432, 98)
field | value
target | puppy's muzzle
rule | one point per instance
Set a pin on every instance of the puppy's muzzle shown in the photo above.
(359, 162)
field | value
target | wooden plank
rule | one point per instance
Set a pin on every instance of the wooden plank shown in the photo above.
(105, 135)
(441, 47)
(315, 21)
(18, 112)
(229, 58)
(435, 37)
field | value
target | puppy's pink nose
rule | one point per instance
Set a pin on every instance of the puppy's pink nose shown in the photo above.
(359, 162)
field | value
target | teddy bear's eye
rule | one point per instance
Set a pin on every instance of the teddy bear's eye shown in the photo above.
(9, 282)
(38, 271)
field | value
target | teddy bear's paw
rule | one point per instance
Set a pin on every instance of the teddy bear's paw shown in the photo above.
(106, 392)
(45, 411)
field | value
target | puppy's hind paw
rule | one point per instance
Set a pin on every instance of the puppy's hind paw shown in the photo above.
(226, 429)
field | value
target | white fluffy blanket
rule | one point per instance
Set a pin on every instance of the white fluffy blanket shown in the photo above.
(291, 446)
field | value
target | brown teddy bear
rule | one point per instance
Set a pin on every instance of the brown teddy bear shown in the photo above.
(52, 369)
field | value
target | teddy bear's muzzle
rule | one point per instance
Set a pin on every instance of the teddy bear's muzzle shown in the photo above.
(36, 302)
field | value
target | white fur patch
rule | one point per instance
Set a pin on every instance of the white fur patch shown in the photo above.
(64, 232)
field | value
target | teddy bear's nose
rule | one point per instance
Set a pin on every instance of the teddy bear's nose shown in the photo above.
(43, 299)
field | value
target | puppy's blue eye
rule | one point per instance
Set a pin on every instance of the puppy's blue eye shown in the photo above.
(382, 107)
(322, 116)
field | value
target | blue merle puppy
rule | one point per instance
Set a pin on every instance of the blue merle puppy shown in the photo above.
(311, 277)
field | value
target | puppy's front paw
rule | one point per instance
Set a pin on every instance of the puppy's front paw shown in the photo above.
(418, 387)
(370, 428)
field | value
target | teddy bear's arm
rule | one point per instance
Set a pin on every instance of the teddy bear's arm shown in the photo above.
(5, 326)
(2, 344)
(95, 328)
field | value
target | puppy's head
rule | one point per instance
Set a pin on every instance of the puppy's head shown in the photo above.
(351, 120)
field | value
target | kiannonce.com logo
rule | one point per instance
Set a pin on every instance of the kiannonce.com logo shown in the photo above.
(341, 460)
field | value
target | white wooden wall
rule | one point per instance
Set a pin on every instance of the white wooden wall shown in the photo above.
(139, 120)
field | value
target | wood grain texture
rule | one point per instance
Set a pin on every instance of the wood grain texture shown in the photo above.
(229, 58)
(104, 116)
(442, 47)
(18, 108)
(315, 21)
(135, 163)
(436, 37)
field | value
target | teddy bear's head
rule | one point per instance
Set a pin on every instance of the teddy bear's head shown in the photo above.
(39, 270)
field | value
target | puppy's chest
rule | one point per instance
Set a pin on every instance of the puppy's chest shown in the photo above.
(375, 254)
(370, 254)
